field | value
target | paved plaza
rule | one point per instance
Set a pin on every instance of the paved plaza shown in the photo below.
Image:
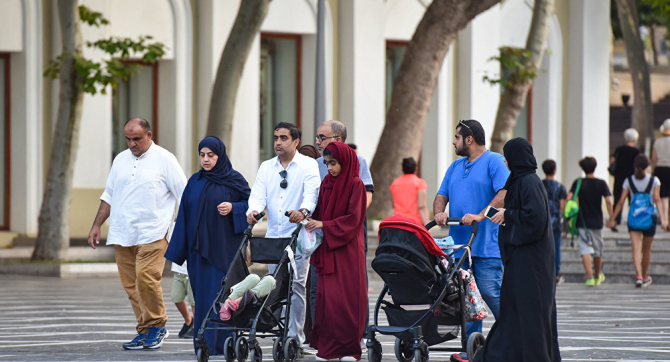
(50, 319)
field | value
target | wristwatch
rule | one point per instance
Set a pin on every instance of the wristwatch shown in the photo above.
(304, 212)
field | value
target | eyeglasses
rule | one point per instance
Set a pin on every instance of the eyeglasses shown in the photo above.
(283, 184)
(460, 122)
(322, 138)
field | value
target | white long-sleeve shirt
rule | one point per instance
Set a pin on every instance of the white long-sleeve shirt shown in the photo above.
(302, 192)
(143, 193)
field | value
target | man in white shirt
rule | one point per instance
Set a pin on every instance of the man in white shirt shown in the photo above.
(143, 189)
(289, 182)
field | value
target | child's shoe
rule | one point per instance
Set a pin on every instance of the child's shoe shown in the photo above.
(590, 282)
(601, 278)
(646, 282)
(224, 313)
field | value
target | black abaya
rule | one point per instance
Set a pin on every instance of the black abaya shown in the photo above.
(526, 328)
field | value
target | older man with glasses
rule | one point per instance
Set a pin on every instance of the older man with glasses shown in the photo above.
(288, 183)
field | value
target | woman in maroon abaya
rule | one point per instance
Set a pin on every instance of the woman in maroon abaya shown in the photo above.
(340, 298)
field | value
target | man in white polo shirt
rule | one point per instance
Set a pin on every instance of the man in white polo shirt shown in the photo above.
(289, 182)
(143, 189)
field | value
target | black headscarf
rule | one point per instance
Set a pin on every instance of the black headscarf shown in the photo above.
(222, 173)
(223, 182)
(520, 159)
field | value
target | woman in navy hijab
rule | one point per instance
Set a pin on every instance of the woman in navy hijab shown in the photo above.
(209, 229)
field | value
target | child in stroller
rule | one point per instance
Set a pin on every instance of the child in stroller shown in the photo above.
(262, 316)
(424, 284)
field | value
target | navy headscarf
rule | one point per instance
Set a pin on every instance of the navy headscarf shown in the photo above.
(223, 182)
(520, 159)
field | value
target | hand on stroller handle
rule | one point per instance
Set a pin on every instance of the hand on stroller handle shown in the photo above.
(258, 217)
(453, 221)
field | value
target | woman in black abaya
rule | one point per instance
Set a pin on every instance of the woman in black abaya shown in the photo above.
(526, 327)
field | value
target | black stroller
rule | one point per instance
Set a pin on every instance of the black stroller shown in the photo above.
(420, 286)
(267, 317)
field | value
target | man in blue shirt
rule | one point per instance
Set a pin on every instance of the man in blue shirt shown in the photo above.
(330, 131)
(470, 185)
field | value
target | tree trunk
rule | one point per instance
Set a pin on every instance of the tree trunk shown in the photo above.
(643, 109)
(412, 91)
(247, 24)
(654, 50)
(513, 98)
(53, 233)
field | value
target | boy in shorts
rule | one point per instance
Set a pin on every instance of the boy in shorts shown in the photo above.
(590, 219)
(181, 288)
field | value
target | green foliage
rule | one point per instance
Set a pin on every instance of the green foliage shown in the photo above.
(95, 76)
(649, 13)
(92, 18)
(516, 67)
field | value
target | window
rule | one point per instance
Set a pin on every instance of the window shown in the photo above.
(395, 53)
(524, 123)
(4, 138)
(135, 98)
(279, 86)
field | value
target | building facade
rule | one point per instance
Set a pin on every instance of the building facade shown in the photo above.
(567, 116)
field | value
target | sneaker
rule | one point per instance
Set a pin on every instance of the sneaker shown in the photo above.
(189, 334)
(185, 329)
(590, 282)
(560, 280)
(137, 342)
(156, 337)
(321, 359)
(348, 359)
(647, 281)
(459, 357)
(601, 278)
(638, 282)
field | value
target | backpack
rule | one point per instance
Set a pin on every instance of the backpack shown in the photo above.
(642, 210)
(571, 211)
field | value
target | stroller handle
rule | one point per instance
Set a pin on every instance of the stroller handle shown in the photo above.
(257, 217)
(454, 221)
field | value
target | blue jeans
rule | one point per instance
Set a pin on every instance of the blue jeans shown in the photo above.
(488, 275)
(557, 243)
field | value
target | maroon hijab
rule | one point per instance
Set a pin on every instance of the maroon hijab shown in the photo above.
(334, 200)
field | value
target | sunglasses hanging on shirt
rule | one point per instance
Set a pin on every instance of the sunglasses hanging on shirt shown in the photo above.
(283, 184)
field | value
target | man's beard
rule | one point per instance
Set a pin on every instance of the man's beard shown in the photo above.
(463, 151)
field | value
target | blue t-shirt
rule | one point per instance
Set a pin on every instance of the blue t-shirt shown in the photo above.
(470, 187)
(363, 172)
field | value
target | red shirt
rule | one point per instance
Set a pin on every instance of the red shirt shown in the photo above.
(405, 190)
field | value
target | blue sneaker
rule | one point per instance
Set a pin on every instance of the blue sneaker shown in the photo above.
(156, 337)
(459, 357)
(137, 342)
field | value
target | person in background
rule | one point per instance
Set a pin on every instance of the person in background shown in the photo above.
(181, 289)
(353, 147)
(623, 159)
(590, 219)
(556, 195)
(660, 164)
(209, 230)
(409, 193)
(309, 151)
(641, 239)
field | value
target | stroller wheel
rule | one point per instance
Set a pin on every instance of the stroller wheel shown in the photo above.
(241, 349)
(278, 350)
(256, 354)
(403, 350)
(421, 353)
(290, 349)
(203, 354)
(229, 349)
(475, 343)
(375, 352)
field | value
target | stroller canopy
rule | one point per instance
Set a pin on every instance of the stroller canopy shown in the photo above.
(405, 223)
